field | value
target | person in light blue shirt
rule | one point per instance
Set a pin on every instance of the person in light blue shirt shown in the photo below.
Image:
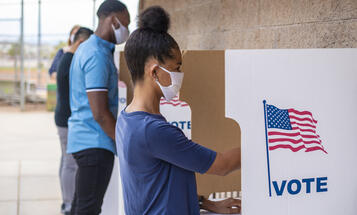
(94, 105)
(157, 161)
(92, 70)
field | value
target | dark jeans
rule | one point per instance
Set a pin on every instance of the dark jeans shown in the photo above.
(94, 171)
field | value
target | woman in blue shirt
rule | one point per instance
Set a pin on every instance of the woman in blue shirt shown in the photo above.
(157, 161)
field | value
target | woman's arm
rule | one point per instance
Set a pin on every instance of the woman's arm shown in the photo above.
(226, 162)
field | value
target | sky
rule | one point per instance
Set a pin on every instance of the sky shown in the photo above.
(58, 17)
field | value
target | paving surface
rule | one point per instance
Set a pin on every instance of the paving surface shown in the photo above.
(29, 161)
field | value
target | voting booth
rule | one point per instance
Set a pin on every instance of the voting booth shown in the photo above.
(297, 114)
(292, 112)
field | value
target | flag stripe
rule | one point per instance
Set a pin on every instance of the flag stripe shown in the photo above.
(295, 149)
(293, 119)
(296, 145)
(301, 112)
(174, 103)
(304, 130)
(315, 148)
(281, 146)
(291, 134)
(302, 119)
(169, 103)
(293, 141)
(303, 124)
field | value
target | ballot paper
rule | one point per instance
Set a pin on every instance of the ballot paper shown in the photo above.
(211, 213)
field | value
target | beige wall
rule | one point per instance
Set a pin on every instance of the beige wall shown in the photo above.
(261, 24)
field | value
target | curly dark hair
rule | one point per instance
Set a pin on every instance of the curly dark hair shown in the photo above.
(149, 40)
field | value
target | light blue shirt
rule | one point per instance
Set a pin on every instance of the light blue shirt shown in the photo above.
(92, 69)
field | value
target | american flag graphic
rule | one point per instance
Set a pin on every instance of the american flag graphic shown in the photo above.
(292, 129)
(174, 102)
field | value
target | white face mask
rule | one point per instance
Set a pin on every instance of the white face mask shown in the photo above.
(121, 34)
(176, 81)
(71, 38)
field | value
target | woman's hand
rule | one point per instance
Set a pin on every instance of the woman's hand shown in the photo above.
(227, 206)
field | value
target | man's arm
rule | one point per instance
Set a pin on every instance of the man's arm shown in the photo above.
(226, 162)
(98, 101)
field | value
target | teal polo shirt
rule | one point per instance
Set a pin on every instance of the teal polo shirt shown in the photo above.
(92, 69)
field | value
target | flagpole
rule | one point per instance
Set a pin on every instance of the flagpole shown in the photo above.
(267, 147)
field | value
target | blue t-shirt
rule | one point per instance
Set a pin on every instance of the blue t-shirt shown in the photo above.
(157, 165)
(92, 69)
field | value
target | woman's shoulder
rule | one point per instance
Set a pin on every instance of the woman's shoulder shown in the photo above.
(161, 127)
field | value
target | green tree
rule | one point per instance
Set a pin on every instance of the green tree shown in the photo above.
(14, 50)
(58, 47)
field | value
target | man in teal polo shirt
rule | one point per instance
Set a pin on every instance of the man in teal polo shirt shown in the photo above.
(94, 105)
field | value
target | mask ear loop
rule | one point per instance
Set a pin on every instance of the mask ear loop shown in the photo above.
(118, 23)
(155, 72)
(164, 69)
